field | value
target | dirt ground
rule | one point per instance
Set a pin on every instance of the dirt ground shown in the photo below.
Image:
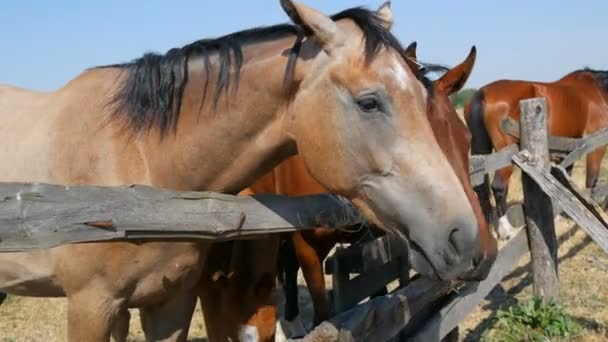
(583, 280)
(584, 295)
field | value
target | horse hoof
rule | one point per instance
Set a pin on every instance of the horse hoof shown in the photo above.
(2, 297)
(505, 230)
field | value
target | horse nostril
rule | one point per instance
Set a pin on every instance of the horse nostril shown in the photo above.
(455, 241)
(477, 261)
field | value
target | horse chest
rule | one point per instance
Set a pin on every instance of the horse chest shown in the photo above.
(159, 277)
(139, 274)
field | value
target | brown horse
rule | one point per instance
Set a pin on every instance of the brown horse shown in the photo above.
(311, 247)
(577, 105)
(216, 115)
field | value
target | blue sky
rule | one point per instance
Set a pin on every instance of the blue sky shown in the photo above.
(43, 44)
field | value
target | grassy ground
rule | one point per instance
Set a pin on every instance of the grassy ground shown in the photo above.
(583, 281)
(584, 295)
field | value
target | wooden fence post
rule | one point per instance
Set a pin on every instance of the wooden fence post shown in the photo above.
(538, 207)
(339, 278)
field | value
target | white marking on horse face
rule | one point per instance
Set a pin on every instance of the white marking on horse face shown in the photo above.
(249, 333)
(400, 75)
(505, 229)
(396, 71)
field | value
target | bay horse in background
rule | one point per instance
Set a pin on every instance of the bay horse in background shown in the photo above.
(577, 105)
(310, 247)
(216, 115)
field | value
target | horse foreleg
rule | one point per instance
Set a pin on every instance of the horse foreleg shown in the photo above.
(237, 290)
(169, 321)
(311, 262)
(500, 188)
(483, 195)
(594, 164)
(290, 266)
(120, 329)
(91, 316)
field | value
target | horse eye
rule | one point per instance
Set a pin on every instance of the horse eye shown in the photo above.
(368, 104)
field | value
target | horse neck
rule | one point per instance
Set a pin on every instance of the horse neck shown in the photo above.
(579, 79)
(227, 146)
(587, 86)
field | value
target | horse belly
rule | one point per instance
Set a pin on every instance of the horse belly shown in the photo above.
(29, 274)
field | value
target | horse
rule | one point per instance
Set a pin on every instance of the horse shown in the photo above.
(215, 115)
(312, 246)
(577, 105)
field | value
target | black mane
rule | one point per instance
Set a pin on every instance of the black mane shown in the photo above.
(600, 76)
(151, 94)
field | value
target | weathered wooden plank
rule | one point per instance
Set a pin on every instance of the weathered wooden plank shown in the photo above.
(366, 256)
(352, 291)
(540, 222)
(339, 278)
(383, 317)
(516, 215)
(556, 144)
(480, 165)
(386, 249)
(563, 145)
(585, 197)
(588, 144)
(41, 215)
(472, 294)
(594, 199)
(378, 262)
(581, 209)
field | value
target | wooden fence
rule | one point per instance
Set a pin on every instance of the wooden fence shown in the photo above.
(426, 310)
(34, 216)
(40, 216)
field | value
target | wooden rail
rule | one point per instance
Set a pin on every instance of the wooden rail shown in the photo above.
(34, 216)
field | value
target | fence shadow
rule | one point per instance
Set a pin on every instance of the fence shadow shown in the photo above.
(500, 298)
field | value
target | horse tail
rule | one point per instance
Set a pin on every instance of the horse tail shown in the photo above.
(480, 144)
(475, 112)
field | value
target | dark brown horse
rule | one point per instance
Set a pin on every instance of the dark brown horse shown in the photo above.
(312, 247)
(577, 105)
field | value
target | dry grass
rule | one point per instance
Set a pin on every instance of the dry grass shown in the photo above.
(584, 285)
(42, 319)
(584, 295)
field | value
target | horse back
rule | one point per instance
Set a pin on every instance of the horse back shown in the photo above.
(566, 105)
(567, 108)
(62, 136)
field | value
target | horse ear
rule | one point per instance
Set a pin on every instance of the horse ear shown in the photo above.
(386, 14)
(411, 59)
(453, 80)
(319, 26)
